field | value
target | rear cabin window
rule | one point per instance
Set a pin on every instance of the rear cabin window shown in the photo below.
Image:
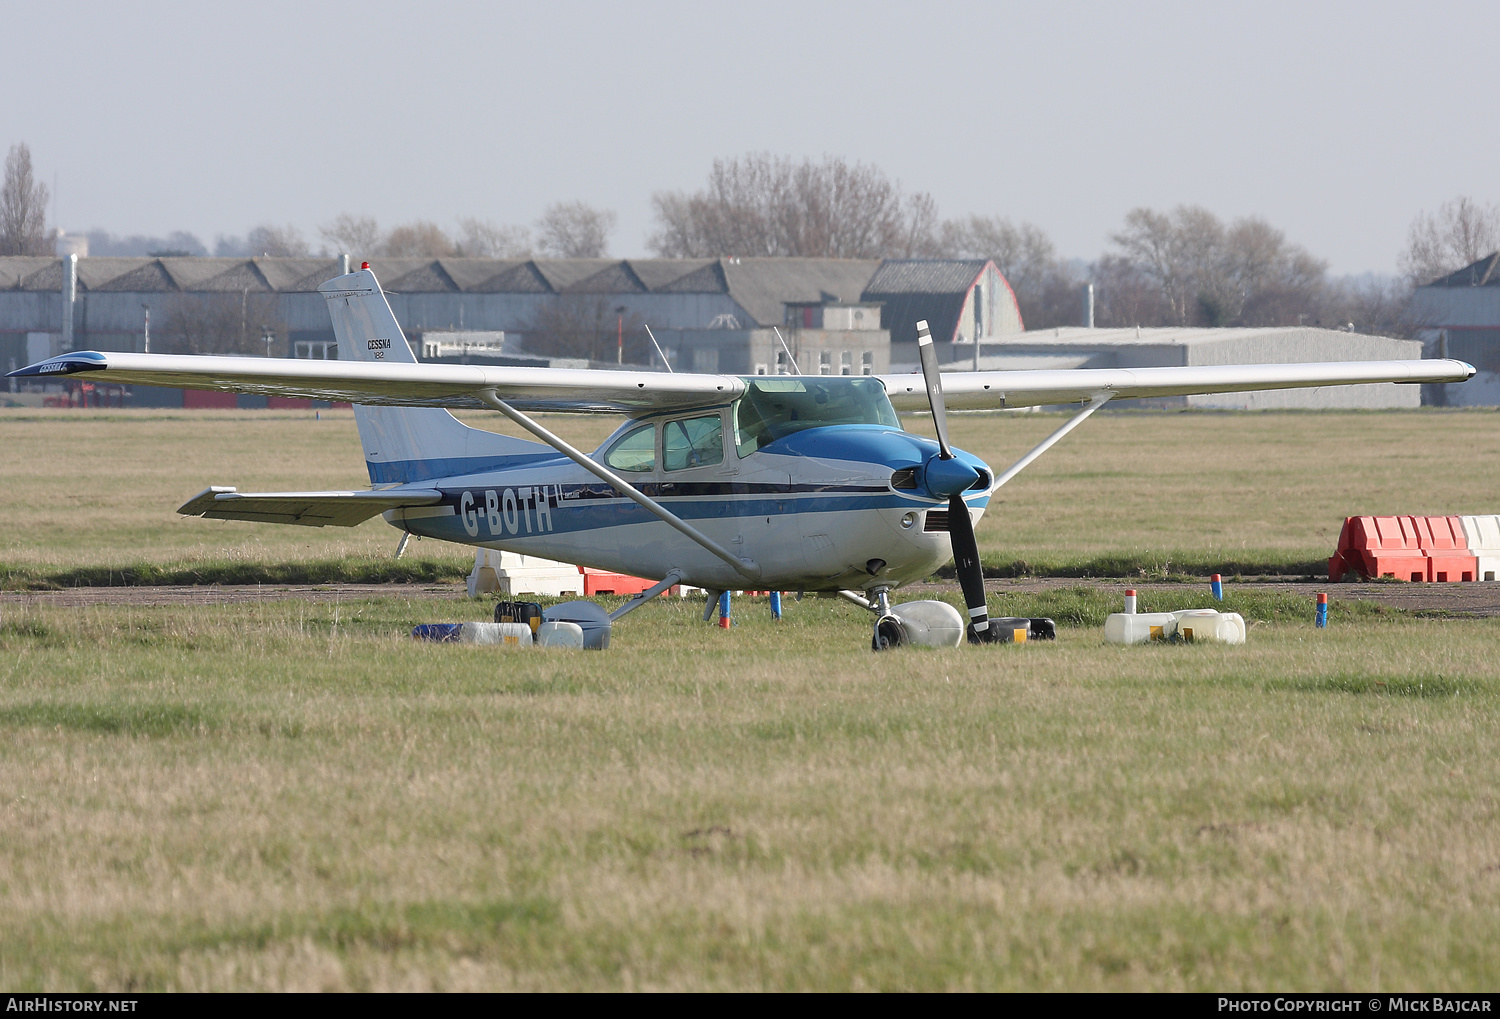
(693, 442)
(775, 407)
(634, 451)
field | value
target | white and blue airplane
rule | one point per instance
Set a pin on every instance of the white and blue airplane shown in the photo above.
(793, 483)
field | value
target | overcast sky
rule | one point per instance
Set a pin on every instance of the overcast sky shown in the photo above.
(1337, 122)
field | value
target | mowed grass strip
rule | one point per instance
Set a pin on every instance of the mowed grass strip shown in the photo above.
(295, 796)
(89, 497)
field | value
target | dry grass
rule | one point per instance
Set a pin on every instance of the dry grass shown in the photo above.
(292, 796)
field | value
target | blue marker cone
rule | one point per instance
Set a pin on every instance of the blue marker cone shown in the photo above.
(1321, 621)
(1216, 584)
(775, 604)
(724, 610)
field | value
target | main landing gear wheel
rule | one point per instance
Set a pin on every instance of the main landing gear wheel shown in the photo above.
(888, 634)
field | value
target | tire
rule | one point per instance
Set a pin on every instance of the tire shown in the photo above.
(888, 634)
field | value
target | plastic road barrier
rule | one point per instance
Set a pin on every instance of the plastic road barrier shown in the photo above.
(1448, 555)
(1482, 534)
(1417, 549)
(604, 582)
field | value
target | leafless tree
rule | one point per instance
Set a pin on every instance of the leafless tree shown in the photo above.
(479, 238)
(420, 239)
(1460, 232)
(764, 205)
(574, 230)
(277, 242)
(178, 242)
(1210, 274)
(1125, 295)
(1023, 253)
(23, 207)
(351, 234)
(1154, 246)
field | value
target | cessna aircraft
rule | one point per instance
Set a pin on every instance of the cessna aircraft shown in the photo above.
(793, 483)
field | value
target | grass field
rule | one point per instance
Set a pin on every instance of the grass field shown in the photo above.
(1231, 493)
(294, 795)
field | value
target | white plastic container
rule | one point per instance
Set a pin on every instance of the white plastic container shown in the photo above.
(517, 634)
(1199, 625)
(560, 634)
(930, 623)
(1139, 627)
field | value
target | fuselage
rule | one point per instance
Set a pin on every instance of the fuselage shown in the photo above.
(814, 506)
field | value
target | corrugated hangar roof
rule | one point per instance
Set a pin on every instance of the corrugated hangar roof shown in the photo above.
(925, 276)
(914, 290)
(761, 286)
(1480, 274)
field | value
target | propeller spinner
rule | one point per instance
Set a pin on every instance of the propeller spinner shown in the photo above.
(944, 475)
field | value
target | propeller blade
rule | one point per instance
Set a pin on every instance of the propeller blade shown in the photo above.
(934, 380)
(966, 564)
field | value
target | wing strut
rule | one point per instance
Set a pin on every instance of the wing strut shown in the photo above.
(634, 603)
(1095, 402)
(745, 568)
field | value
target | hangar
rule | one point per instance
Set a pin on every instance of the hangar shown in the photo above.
(1459, 316)
(709, 314)
(838, 316)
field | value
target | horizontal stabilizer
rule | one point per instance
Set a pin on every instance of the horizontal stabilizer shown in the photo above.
(312, 509)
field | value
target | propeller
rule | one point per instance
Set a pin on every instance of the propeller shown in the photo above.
(946, 475)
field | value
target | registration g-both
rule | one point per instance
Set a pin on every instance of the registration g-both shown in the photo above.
(800, 483)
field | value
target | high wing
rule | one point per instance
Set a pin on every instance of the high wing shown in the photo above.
(569, 389)
(312, 509)
(400, 385)
(996, 389)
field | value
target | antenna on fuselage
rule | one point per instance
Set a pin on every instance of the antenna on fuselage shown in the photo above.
(788, 350)
(663, 353)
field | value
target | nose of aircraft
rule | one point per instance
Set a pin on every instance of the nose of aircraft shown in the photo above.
(944, 478)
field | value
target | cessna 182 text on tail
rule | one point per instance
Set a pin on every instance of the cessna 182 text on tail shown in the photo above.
(798, 483)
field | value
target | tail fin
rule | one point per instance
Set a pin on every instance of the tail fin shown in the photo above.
(404, 444)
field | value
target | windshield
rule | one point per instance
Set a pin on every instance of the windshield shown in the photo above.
(775, 407)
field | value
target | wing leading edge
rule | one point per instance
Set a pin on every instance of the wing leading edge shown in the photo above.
(400, 385)
(434, 385)
(997, 389)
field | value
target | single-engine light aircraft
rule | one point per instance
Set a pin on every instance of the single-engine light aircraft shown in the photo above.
(789, 482)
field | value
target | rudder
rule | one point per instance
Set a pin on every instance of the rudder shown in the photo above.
(405, 444)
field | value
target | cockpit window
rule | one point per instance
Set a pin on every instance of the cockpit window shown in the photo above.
(634, 451)
(694, 442)
(775, 407)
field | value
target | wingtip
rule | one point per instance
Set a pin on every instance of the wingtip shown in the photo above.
(63, 364)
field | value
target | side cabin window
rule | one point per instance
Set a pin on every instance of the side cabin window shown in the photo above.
(634, 451)
(774, 407)
(693, 442)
